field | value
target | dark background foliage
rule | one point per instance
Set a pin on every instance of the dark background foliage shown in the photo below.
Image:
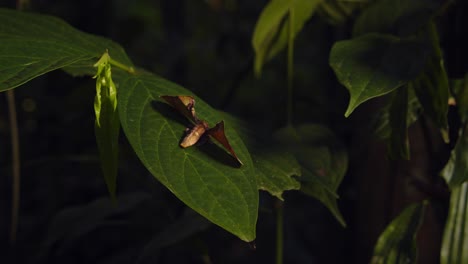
(65, 215)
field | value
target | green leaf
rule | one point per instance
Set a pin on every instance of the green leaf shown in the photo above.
(374, 65)
(432, 87)
(323, 162)
(381, 123)
(456, 171)
(32, 45)
(271, 31)
(275, 170)
(107, 124)
(396, 17)
(397, 244)
(455, 240)
(204, 177)
(398, 144)
(275, 166)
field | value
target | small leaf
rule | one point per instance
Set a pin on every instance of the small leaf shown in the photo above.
(456, 171)
(271, 31)
(34, 44)
(374, 65)
(398, 144)
(397, 244)
(455, 240)
(204, 177)
(396, 17)
(323, 162)
(107, 125)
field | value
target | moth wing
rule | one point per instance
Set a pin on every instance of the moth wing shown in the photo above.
(193, 135)
(217, 132)
(184, 104)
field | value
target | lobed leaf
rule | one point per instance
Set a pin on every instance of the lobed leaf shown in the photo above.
(374, 65)
(397, 244)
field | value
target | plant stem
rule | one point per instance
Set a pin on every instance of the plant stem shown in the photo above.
(122, 66)
(15, 153)
(290, 66)
(279, 231)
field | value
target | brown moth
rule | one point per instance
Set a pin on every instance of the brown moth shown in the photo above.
(186, 106)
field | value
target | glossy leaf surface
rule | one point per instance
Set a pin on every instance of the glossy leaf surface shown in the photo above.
(374, 65)
(33, 44)
(205, 177)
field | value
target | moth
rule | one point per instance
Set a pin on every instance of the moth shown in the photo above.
(186, 106)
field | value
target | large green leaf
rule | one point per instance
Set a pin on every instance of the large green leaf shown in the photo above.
(33, 44)
(397, 17)
(374, 65)
(271, 31)
(323, 162)
(397, 244)
(205, 177)
(455, 241)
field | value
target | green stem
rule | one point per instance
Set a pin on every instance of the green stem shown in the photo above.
(290, 66)
(122, 66)
(15, 153)
(279, 231)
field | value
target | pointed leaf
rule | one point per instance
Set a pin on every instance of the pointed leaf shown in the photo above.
(107, 124)
(455, 240)
(374, 65)
(33, 44)
(397, 244)
(271, 31)
(203, 177)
